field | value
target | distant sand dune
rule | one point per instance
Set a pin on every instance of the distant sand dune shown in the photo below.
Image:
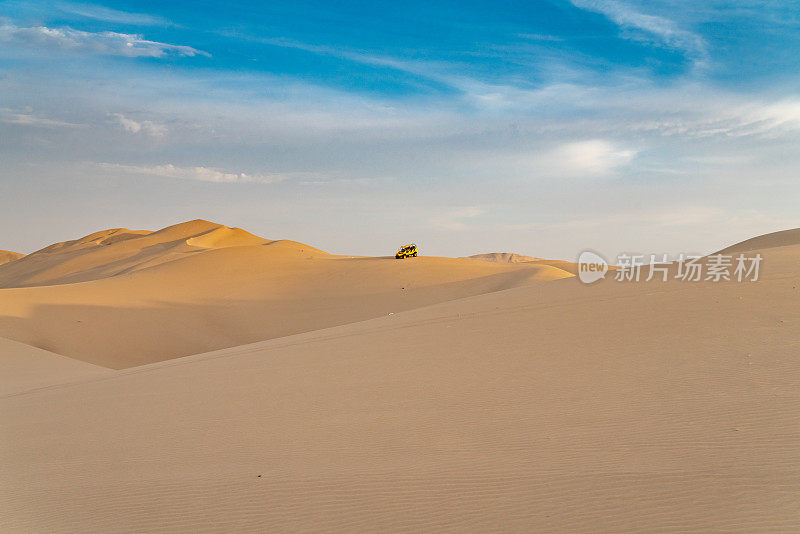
(506, 257)
(502, 257)
(117, 251)
(773, 240)
(7, 256)
(121, 298)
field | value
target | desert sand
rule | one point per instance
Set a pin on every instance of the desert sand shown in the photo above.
(121, 298)
(204, 379)
(7, 256)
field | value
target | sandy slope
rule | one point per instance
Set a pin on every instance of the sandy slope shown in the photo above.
(7, 256)
(557, 407)
(552, 407)
(199, 286)
(26, 368)
(773, 240)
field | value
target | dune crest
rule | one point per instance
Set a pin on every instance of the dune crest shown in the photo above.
(120, 251)
(6, 256)
(767, 241)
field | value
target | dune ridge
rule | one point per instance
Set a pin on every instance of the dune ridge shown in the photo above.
(7, 256)
(767, 241)
(117, 251)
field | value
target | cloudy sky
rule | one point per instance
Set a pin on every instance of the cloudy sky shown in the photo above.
(538, 127)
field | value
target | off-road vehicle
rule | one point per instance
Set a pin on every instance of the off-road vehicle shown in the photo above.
(406, 251)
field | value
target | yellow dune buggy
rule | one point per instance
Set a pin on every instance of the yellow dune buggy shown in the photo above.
(406, 251)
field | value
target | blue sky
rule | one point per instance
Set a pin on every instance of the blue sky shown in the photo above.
(535, 127)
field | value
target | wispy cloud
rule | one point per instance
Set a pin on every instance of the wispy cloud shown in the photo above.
(474, 91)
(540, 37)
(107, 43)
(556, 80)
(424, 69)
(593, 157)
(107, 14)
(146, 127)
(768, 120)
(718, 115)
(661, 30)
(590, 158)
(9, 116)
(207, 174)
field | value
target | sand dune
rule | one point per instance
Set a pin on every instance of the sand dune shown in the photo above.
(26, 368)
(7, 256)
(120, 251)
(502, 257)
(520, 406)
(507, 257)
(652, 407)
(773, 240)
(199, 286)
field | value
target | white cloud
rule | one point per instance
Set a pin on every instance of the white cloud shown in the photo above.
(478, 93)
(147, 127)
(662, 30)
(560, 71)
(720, 115)
(108, 43)
(575, 159)
(206, 174)
(592, 157)
(768, 119)
(9, 116)
(424, 69)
